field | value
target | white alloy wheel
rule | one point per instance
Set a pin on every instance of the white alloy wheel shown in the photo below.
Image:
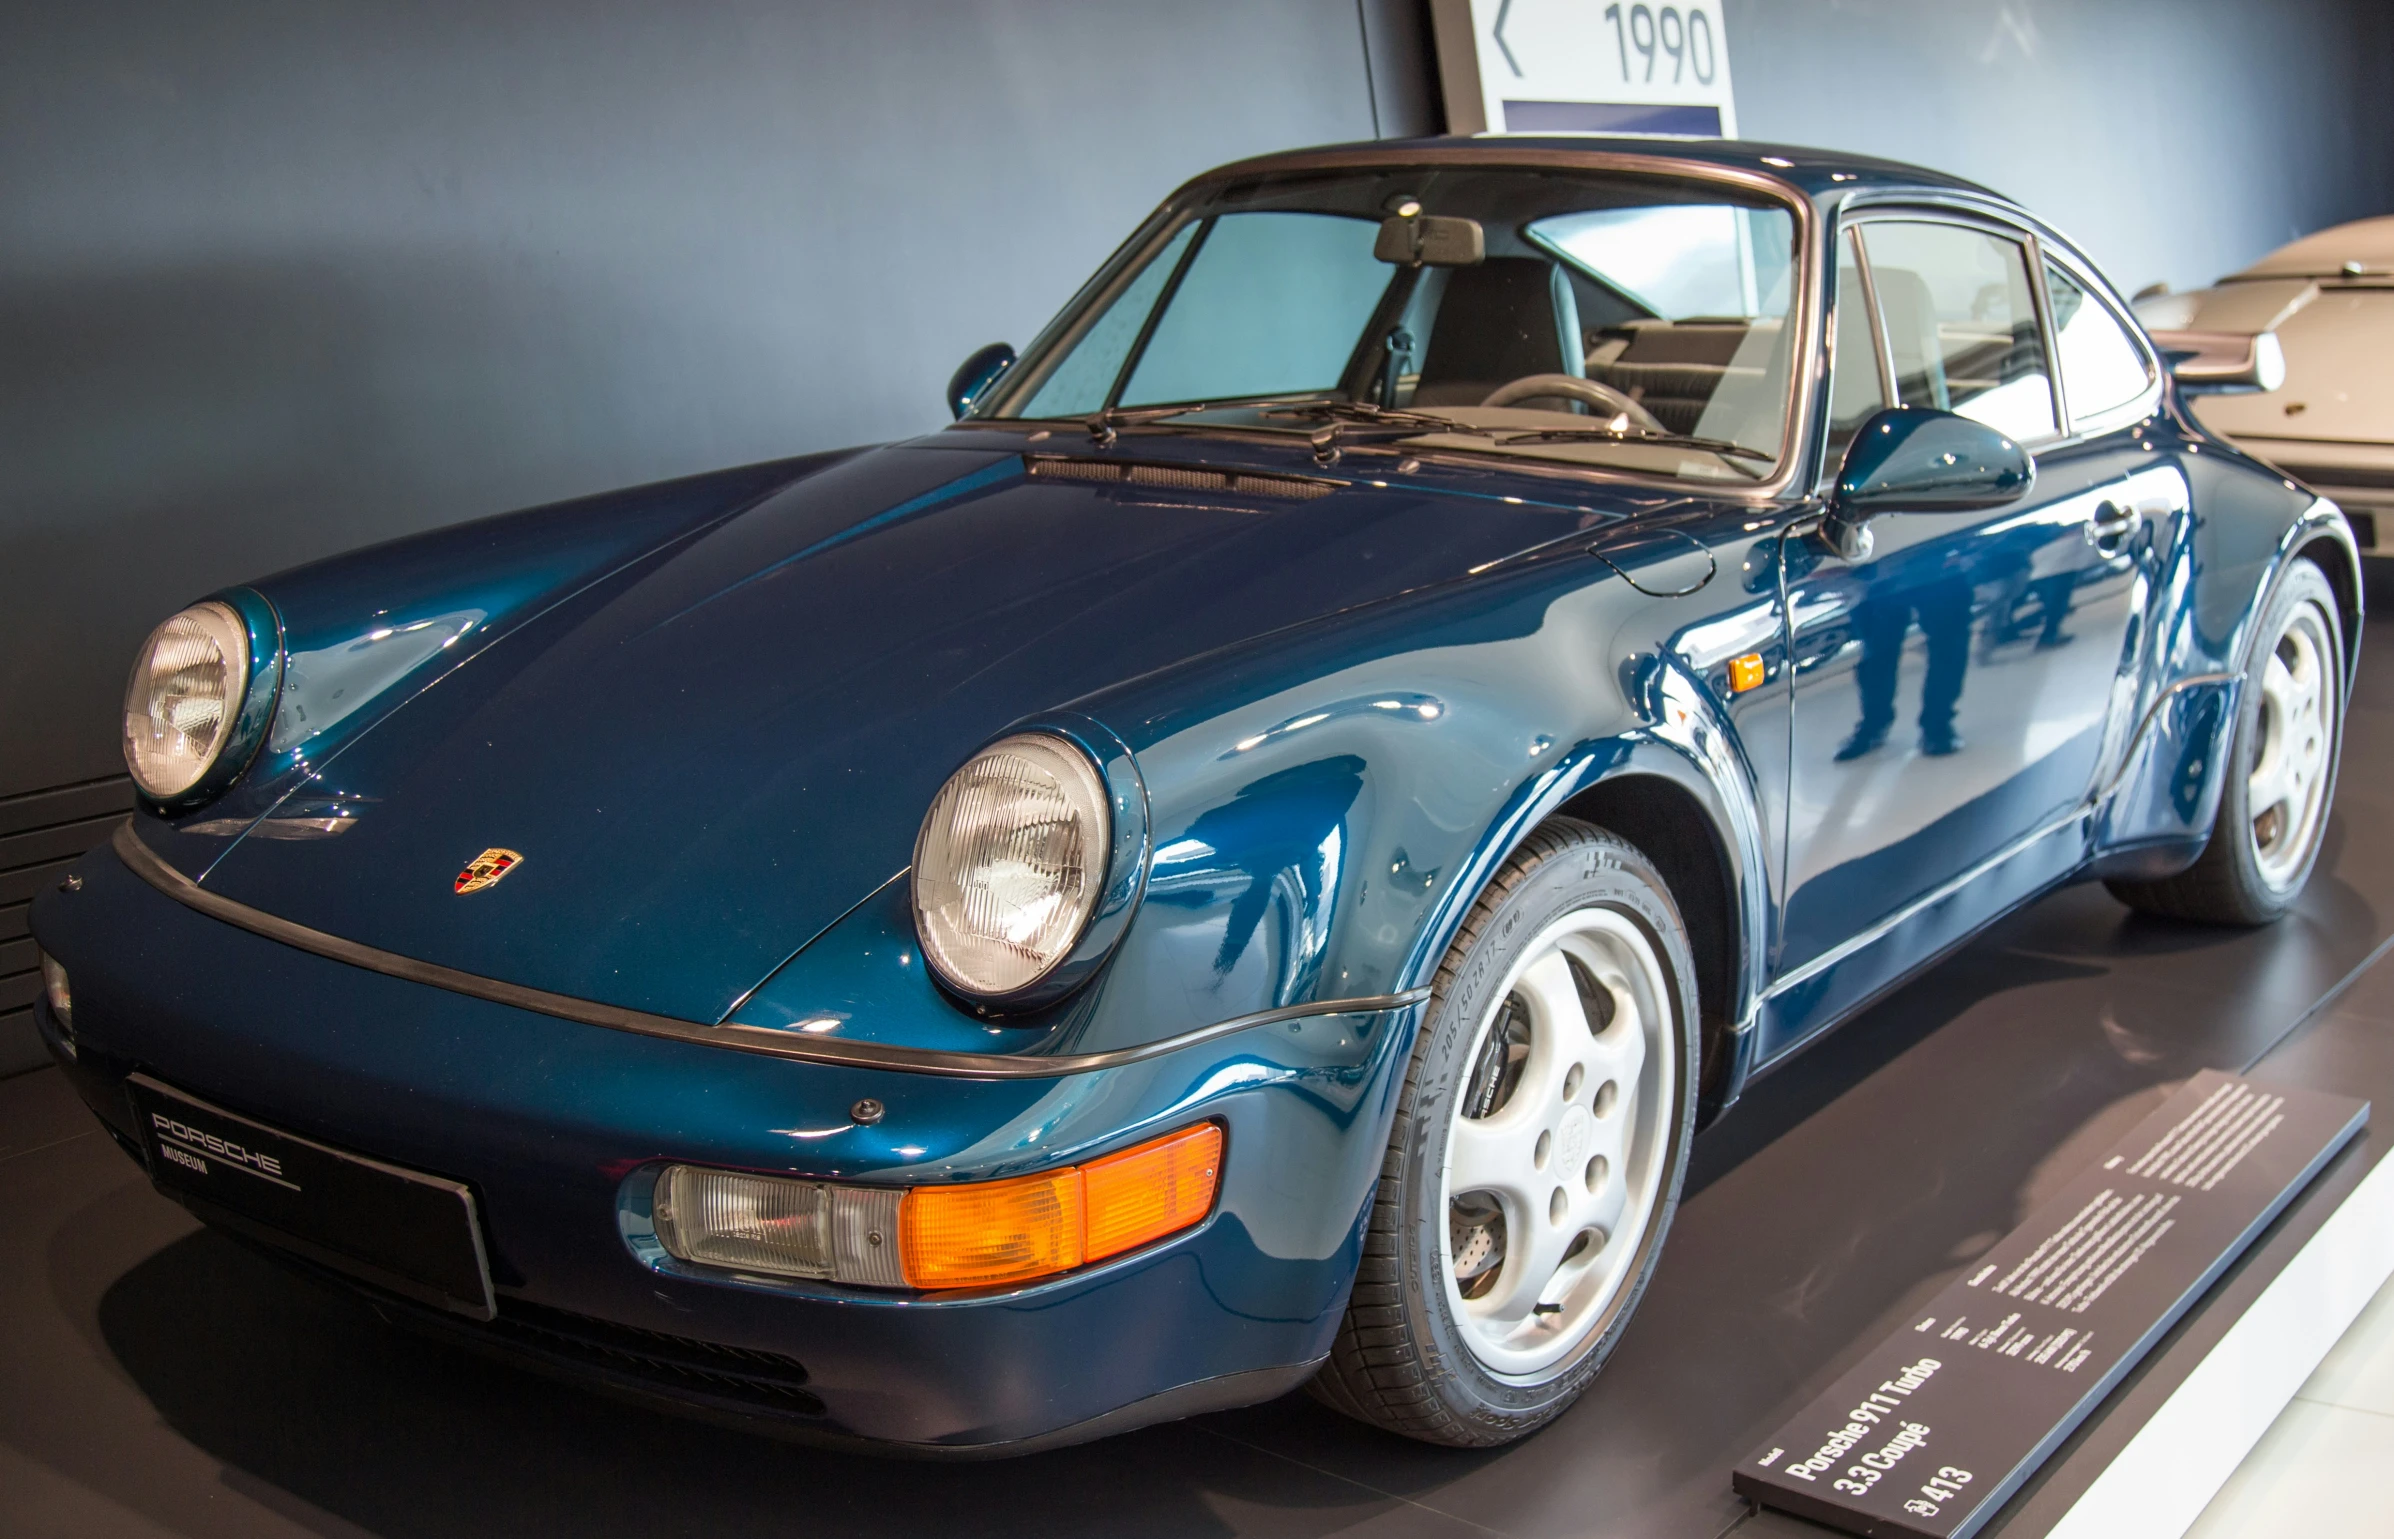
(2278, 775)
(1555, 1155)
(2286, 795)
(1535, 1151)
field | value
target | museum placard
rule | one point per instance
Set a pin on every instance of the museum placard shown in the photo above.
(1929, 1434)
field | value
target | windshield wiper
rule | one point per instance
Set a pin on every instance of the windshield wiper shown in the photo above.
(1720, 446)
(1103, 422)
(1347, 418)
(1346, 414)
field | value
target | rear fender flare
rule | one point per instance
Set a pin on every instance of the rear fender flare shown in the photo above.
(2178, 755)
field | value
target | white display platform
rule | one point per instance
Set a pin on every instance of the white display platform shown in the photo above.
(2172, 1466)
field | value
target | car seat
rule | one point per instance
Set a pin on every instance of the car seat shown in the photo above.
(1498, 321)
(1913, 343)
(1672, 368)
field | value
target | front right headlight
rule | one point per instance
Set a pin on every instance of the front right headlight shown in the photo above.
(1010, 864)
(185, 697)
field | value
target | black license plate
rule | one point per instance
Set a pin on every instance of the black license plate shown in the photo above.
(416, 1235)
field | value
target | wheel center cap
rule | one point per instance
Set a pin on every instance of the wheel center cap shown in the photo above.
(1572, 1137)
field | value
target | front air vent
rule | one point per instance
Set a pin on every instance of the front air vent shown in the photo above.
(743, 1373)
(1178, 478)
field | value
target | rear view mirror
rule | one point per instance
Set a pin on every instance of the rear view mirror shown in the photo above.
(1428, 240)
(973, 378)
(1909, 459)
(2223, 362)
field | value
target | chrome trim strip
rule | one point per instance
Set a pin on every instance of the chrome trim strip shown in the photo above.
(1936, 895)
(2152, 714)
(146, 864)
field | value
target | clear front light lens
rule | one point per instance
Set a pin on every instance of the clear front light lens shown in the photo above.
(785, 1228)
(1010, 863)
(185, 691)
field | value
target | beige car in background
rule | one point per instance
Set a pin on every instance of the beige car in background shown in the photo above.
(2330, 299)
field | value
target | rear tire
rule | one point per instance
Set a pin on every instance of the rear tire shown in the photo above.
(1539, 1145)
(2281, 770)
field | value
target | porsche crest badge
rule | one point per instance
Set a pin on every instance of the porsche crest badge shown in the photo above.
(486, 868)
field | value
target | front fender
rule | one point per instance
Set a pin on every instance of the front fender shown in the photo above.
(1324, 806)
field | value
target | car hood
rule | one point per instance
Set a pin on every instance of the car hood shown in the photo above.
(703, 767)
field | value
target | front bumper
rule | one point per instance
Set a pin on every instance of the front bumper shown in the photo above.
(553, 1123)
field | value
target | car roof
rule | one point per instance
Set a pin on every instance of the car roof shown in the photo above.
(2331, 253)
(1819, 174)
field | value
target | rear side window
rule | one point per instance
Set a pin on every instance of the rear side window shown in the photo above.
(1961, 324)
(2100, 367)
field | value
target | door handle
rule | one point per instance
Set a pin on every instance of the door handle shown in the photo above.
(2110, 524)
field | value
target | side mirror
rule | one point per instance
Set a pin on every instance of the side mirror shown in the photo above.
(973, 379)
(1909, 459)
(2223, 362)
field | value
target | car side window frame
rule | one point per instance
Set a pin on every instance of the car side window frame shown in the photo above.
(2137, 407)
(1988, 223)
(1087, 307)
(1844, 247)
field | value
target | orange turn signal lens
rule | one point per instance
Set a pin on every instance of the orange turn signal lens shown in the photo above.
(975, 1234)
(1154, 1190)
(1745, 673)
(981, 1232)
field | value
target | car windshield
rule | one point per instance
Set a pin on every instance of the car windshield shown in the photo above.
(1636, 322)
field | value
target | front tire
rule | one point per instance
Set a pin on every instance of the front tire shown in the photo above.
(2281, 769)
(1538, 1149)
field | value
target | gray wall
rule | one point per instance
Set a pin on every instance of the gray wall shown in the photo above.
(2175, 139)
(278, 278)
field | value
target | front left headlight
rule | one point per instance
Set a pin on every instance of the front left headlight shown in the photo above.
(184, 697)
(1010, 864)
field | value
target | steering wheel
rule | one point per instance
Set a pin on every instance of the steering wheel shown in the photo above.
(1571, 387)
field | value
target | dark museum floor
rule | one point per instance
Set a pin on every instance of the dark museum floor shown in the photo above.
(160, 1380)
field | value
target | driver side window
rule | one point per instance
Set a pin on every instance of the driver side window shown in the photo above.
(1857, 390)
(1960, 321)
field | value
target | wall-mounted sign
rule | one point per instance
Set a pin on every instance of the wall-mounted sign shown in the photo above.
(1584, 66)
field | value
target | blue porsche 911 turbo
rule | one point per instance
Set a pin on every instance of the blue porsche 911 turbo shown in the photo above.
(1245, 861)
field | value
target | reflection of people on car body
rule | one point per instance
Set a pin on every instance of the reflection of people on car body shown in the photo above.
(2052, 596)
(2030, 577)
(1881, 621)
